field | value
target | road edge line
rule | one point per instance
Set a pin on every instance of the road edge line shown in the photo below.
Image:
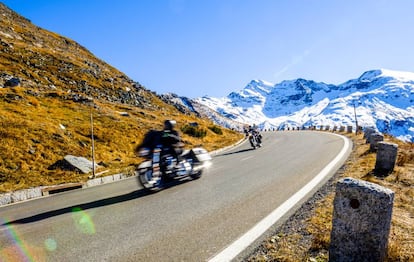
(234, 249)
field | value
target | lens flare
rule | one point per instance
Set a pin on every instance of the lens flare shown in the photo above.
(83, 221)
(19, 250)
(50, 244)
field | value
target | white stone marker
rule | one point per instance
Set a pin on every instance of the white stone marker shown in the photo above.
(361, 221)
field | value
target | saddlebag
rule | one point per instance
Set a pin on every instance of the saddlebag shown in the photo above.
(199, 154)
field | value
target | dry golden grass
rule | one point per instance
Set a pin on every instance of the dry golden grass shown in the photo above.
(40, 123)
(310, 242)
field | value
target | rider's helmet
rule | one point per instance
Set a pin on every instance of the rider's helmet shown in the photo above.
(169, 124)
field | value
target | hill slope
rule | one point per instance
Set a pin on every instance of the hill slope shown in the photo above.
(50, 86)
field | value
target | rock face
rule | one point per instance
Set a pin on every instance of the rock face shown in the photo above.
(361, 221)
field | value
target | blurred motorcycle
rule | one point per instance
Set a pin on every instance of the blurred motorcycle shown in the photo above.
(161, 168)
(255, 139)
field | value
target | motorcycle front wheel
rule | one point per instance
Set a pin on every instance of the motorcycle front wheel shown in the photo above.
(148, 180)
(196, 175)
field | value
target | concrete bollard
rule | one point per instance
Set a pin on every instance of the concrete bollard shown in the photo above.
(374, 139)
(361, 221)
(367, 132)
(386, 158)
(349, 129)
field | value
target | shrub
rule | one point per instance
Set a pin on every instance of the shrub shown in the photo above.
(194, 131)
(216, 130)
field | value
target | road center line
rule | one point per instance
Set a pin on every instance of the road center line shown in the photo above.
(243, 159)
(250, 236)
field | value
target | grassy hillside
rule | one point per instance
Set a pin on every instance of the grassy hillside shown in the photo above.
(49, 88)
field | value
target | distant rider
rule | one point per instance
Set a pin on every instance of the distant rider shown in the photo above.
(255, 132)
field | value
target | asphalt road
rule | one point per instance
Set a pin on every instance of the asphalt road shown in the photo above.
(190, 221)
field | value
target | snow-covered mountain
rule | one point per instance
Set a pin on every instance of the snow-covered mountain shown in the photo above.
(187, 106)
(382, 98)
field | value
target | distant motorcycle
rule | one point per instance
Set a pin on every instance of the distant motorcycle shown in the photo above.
(255, 139)
(161, 168)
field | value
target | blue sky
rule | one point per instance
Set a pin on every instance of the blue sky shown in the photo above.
(212, 47)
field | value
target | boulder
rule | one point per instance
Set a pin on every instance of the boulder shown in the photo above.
(12, 82)
(74, 163)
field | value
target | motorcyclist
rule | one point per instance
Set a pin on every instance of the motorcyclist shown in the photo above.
(171, 140)
(168, 139)
(255, 132)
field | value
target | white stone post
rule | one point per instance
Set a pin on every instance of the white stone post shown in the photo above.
(374, 139)
(386, 158)
(361, 222)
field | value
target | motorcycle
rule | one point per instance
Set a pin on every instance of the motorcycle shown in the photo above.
(161, 168)
(255, 139)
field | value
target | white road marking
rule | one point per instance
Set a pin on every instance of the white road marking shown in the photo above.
(245, 240)
(246, 158)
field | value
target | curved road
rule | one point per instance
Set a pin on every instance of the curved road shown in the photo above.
(192, 221)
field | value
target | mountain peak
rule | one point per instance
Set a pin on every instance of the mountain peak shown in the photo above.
(377, 73)
(382, 98)
(260, 82)
(260, 86)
